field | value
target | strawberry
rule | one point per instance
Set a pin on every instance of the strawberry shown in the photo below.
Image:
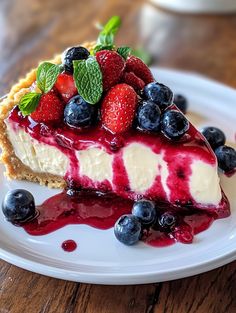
(118, 108)
(112, 67)
(65, 86)
(140, 69)
(49, 109)
(134, 81)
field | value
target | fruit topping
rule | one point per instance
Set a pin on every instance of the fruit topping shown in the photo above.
(18, 206)
(226, 157)
(112, 67)
(145, 211)
(49, 109)
(118, 108)
(167, 221)
(174, 124)
(139, 68)
(159, 94)
(148, 116)
(134, 81)
(71, 54)
(128, 229)
(65, 85)
(79, 113)
(181, 102)
(214, 136)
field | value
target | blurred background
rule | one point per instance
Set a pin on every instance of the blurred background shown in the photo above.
(193, 39)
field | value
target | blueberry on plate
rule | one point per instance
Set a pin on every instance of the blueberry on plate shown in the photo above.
(181, 102)
(148, 116)
(18, 206)
(214, 136)
(71, 54)
(174, 124)
(145, 211)
(127, 229)
(167, 221)
(159, 94)
(226, 157)
(79, 113)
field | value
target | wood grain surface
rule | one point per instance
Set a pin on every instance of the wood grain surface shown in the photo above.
(32, 30)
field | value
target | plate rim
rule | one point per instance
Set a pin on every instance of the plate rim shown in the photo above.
(117, 278)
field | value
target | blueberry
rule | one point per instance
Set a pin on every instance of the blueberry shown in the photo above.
(128, 229)
(71, 54)
(181, 102)
(18, 206)
(145, 211)
(174, 124)
(148, 116)
(167, 221)
(226, 157)
(79, 113)
(214, 136)
(159, 94)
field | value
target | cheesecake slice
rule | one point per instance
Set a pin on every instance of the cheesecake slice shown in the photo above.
(126, 160)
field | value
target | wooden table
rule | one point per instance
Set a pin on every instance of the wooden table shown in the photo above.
(36, 29)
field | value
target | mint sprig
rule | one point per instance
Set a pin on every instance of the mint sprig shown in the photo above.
(46, 76)
(105, 39)
(29, 102)
(88, 79)
(124, 51)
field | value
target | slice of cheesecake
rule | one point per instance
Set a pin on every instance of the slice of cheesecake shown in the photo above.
(133, 166)
(110, 153)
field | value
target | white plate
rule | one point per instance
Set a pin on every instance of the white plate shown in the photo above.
(100, 258)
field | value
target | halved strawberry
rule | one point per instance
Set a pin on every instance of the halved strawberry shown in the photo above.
(65, 85)
(118, 108)
(140, 69)
(112, 67)
(134, 81)
(50, 108)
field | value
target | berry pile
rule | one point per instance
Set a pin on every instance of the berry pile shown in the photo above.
(104, 83)
(127, 94)
(130, 228)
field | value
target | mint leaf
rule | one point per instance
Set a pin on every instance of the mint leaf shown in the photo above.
(88, 79)
(143, 55)
(29, 102)
(124, 51)
(105, 39)
(46, 76)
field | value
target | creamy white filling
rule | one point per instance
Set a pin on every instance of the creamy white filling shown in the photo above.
(142, 166)
(96, 164)
(38, 156)
(204, 183)
(141, 163)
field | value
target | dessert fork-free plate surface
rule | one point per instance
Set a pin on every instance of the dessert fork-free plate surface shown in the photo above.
(99, 257)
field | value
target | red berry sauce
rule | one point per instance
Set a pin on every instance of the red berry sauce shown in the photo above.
(101, 211)
(69, 245)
